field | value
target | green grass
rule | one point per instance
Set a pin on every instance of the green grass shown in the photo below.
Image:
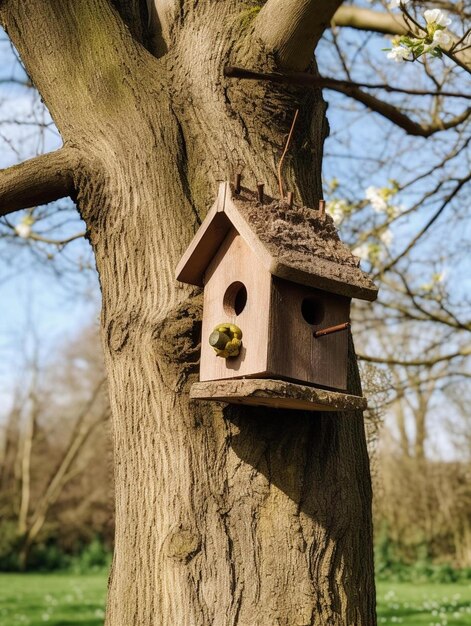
(78, 600)
(53, 599)
(424, 604)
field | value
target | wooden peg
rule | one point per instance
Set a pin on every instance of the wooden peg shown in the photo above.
(322, 207)
(260, 193)
(290, 199)
(238, 179)
(331, 330)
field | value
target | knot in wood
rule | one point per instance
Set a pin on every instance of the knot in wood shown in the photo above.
(182, 545)
(177, 338)
(118, 334)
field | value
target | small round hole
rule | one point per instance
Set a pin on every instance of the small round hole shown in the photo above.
(235, 298)
(312, 310)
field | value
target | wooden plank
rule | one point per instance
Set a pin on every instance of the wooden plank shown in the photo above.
(293, 352)
(205, 244)
(276, 394)
(323, 278)
(233, 264)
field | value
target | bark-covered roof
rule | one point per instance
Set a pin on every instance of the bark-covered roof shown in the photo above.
(298, 244)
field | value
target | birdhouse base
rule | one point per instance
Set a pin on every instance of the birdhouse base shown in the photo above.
(278, 394)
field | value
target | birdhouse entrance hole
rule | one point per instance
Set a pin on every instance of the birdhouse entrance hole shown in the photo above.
(235, 298)
(312, 310)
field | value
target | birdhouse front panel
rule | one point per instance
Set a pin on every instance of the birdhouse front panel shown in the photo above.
(295, 352)
(236, 292)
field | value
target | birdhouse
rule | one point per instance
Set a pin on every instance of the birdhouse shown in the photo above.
(278, 284)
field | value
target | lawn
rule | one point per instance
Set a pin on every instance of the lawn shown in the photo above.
(73, 600)
(54, 599)
(430, 604)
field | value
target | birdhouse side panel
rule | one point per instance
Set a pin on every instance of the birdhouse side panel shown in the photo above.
(297, 312)
(237, 291)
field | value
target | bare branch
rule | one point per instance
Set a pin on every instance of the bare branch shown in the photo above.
(56, 242)
(395, 115)
(82, 430)
(303, 78)
(291, 29)
(40, 180)
(416, 362)
(353, 90)
(425, 228)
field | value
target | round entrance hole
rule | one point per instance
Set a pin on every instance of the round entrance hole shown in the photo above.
(312, 310)
(235, 298)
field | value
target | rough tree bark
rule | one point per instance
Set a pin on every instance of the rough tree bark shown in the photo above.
(224, 516)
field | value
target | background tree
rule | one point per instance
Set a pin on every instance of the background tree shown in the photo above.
(55, 472)
(225, 511)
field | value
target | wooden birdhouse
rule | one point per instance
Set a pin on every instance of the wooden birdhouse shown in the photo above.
(278, 283)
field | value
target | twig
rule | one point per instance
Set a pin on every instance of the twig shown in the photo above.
(288, 141)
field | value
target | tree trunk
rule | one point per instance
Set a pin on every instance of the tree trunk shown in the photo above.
(224, 516)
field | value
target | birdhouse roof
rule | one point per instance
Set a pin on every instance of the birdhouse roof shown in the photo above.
(297, 244)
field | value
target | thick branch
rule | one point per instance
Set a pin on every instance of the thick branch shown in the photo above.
(373, 21)
(135, 14)
(291, 29)
(40, 180)
(395, 115)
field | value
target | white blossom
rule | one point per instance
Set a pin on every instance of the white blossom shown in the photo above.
(394, 210)
(377, 201)
(436, 16)
(23, 230)
(386, 238)
(398, 53)
(337, 209)
(440, 38)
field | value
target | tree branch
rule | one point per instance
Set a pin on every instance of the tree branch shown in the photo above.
(40, 180)
(303, 78)
(373, 21)
(388, 24)
(135, 14)
(290, 29)
(353, 90)
(395, 115)
(418, 362)
(425, 228)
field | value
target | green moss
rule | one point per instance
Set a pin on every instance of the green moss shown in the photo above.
(100, 70)
(248, 15)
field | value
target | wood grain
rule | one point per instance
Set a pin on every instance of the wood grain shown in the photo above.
(294, 352)
(276, 394)
(235, 262)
